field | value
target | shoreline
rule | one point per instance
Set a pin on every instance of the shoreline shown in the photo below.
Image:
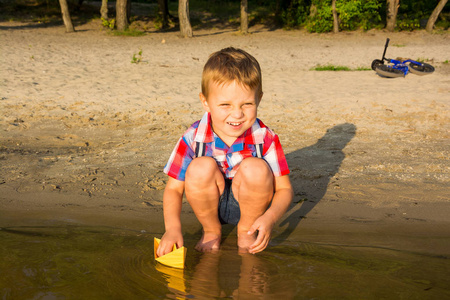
(86, 133)
(423, 230)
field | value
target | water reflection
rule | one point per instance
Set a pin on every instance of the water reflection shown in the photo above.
(220, 275)
(80, 262)
(229, 274)
(174, 279)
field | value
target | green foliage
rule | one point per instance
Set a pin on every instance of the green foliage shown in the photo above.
(423, 59)
(128, 32)
(137, 58)
(352, 14)
(296, 13)
(358, 13)
(321, 17)
(363, 69)
(109, 23)
(405, 24)
(330, 67)
(314, 15)
(158, 22)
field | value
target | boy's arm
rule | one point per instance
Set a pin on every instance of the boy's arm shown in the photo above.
(172, 199)
(282, 198)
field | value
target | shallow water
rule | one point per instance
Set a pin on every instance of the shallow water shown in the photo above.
(68, 261)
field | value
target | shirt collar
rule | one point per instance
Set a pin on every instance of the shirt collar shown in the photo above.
(252, 136)
(204, 132)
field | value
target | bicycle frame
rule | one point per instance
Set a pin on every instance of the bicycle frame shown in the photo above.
(397, 64)
(397, 67)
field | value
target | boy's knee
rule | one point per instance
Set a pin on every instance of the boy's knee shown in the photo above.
(255, 170)
(201, 167)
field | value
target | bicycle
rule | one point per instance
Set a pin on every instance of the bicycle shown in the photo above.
(399, 68)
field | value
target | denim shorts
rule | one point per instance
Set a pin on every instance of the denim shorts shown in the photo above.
(229, 210)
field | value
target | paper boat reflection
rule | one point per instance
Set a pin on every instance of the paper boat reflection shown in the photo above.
(174, 259)
(174, 278)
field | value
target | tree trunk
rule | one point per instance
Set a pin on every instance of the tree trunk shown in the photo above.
(104, 9)
(244, 16)
(163, 6)
(335, 17)
(121, 14)
(128, 11)
(391, 14)
(312, 10)
(66, 16)
(78, 5)
(435, 14)
(183, 15)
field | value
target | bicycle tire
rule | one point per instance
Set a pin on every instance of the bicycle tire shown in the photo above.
(376, 63)
(387, 71)
(420, 68)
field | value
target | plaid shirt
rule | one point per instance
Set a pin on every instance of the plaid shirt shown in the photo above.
(228, 158)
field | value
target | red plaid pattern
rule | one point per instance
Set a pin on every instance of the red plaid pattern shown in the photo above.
(228, 158)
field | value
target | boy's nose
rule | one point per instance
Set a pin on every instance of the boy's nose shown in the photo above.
(237, 113)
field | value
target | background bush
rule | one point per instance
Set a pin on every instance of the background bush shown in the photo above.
(316, 15)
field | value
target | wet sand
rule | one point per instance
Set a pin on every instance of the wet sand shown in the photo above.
(85, 133)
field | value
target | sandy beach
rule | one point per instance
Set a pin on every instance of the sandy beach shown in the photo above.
(85, 133)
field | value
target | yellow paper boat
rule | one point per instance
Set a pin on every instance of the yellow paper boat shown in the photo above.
(174, 259)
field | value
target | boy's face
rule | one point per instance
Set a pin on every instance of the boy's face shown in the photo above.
(233, 109)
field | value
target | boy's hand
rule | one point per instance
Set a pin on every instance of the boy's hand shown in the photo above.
(263, 225)
(168, 240)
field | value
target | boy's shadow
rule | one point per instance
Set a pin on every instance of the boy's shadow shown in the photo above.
(311, 170)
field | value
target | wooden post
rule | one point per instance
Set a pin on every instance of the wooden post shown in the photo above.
(335, 17)
(244, 16)
(66, 16)
(183, 15)
(121, 14)
(164, 12)
(391, 14)
(434, 15)
(104, 9)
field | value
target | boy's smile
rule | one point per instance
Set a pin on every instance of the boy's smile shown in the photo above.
(233, 109)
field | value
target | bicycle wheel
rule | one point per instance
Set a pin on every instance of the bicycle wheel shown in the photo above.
(420, 68)
(387, 71)
(376, 63)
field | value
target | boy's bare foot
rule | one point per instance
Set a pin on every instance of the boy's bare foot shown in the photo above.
(245, 241)
(209, 242)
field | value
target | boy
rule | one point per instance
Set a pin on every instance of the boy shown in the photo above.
(229, 164)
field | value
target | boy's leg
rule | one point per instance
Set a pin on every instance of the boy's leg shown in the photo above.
(204, 184)
(253, 189)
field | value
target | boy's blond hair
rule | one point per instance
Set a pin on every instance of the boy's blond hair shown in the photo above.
(231, 64)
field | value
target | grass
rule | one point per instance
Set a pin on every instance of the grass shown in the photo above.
(363, 69)
(137, 58)
(423, 59)
(331, 68)
(337, 68)
(128, 32)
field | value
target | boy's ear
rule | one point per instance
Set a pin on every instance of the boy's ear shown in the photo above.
(204, 102)
(260, 98)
